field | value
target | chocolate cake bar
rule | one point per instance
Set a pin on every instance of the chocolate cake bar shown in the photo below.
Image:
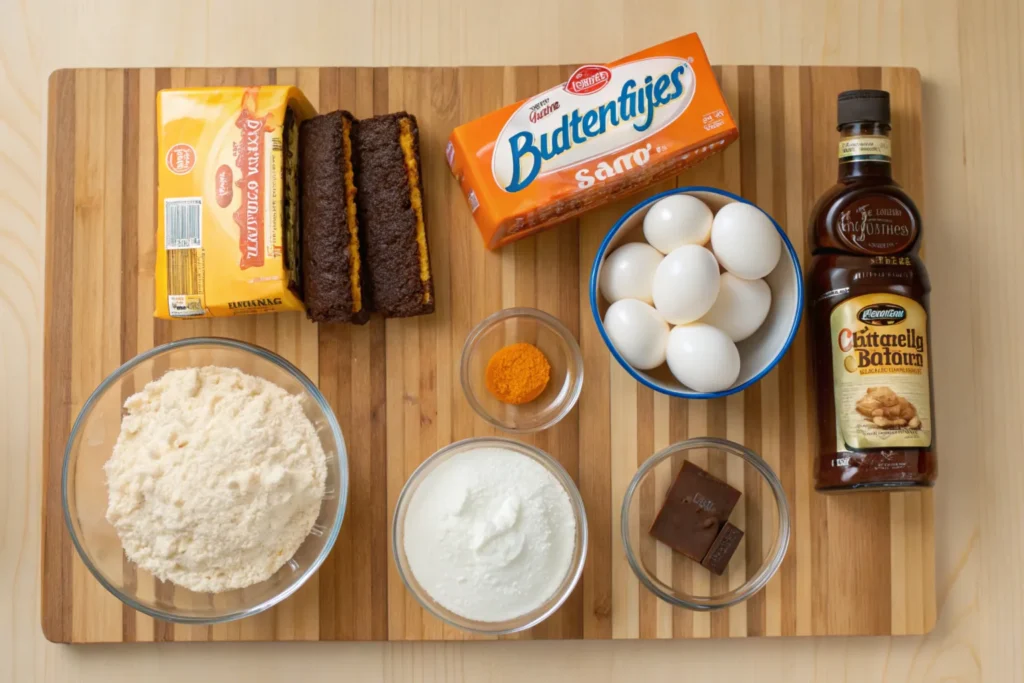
(333, 268)
(390, 203)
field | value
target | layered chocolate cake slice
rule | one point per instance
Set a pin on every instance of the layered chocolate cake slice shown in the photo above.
(333, 268)
(390, 203)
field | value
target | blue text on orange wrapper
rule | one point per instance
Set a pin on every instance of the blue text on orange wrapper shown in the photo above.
(577, 129)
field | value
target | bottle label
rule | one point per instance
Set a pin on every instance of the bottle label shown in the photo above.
(880, 369)
(877, 225)
(865, 148)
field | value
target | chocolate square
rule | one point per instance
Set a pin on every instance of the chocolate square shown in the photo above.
(722, 549)
(712, 495)
(695, 507)
(682, 527)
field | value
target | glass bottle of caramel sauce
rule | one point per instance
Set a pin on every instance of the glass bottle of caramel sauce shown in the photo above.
(868, 294)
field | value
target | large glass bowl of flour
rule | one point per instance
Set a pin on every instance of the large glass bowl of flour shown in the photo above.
(85, 495)
(490, 535)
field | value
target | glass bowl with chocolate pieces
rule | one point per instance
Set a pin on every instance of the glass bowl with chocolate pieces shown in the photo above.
(705, 524)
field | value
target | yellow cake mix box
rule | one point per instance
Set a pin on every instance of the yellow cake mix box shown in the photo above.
(228, 228)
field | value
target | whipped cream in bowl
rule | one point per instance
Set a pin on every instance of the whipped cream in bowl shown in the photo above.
(490, 535)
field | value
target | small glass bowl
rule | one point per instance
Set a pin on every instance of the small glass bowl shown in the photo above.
(84, 489)
(524, 621)
(544, 331)
(761, 513)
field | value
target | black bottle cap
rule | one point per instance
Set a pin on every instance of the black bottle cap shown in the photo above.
(860, 106)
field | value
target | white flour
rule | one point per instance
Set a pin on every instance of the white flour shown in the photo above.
(215, 480)
(490, 534)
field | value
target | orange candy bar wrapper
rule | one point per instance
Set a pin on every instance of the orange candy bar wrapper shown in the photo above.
(608, 131)
(227, 231)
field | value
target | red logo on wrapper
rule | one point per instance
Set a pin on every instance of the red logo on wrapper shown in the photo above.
(588, 79)
(181, 158)
(249, 158)
(222, 187)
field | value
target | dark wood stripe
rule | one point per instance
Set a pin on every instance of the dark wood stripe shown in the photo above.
(379, 520)
(129, 217)
(748, 133)
(163, 631)
(595, 449)
(785, 370)
(377, 600)
(333, 351)
(754, 494)
(129, 276)
(682, 567)
(869, 77)
(380, 91)
(752, 396)
(558, 290)
(335, 605)
(161, 328)
(812, 151)
(648, 546)
(60, 219)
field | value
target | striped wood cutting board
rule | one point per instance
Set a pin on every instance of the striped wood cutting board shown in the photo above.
(861, 564)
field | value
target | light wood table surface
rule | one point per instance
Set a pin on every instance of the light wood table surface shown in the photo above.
(972, 65)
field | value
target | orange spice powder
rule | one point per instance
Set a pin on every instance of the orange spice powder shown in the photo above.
(518, 373)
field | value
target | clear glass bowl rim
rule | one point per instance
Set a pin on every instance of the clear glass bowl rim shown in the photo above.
(544, 318)
(342, 475)
(771, 563)
(574, 497)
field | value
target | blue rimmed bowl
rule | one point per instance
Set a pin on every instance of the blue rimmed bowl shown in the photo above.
(760, 352)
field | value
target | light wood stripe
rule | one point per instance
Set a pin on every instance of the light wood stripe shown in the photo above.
(625, 586)
(763, 196)
(698, 581)
(819, 174)
(61, 180)
(796, 210)
(395, 388)
(662, 481)
(682, 567)
(647, 546)
(736, 475)
(731, 179)
(595, 414)
(96, 349)
(129, 287)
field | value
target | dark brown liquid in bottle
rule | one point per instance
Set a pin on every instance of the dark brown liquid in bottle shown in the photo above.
(868, 306)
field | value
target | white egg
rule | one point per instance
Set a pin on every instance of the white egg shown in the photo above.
(638, 333)
(677, 220)
(702, 357)
(686, 284)
(628, 272)
(745, 241)
(741, 306)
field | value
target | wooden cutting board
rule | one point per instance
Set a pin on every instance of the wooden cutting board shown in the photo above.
(859, 564)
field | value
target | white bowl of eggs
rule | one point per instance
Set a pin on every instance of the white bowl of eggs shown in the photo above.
(697, 292)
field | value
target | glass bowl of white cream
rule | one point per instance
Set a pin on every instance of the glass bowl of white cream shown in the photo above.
(490, 535)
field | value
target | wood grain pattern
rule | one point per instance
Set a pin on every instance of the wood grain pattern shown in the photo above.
(857, 564)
